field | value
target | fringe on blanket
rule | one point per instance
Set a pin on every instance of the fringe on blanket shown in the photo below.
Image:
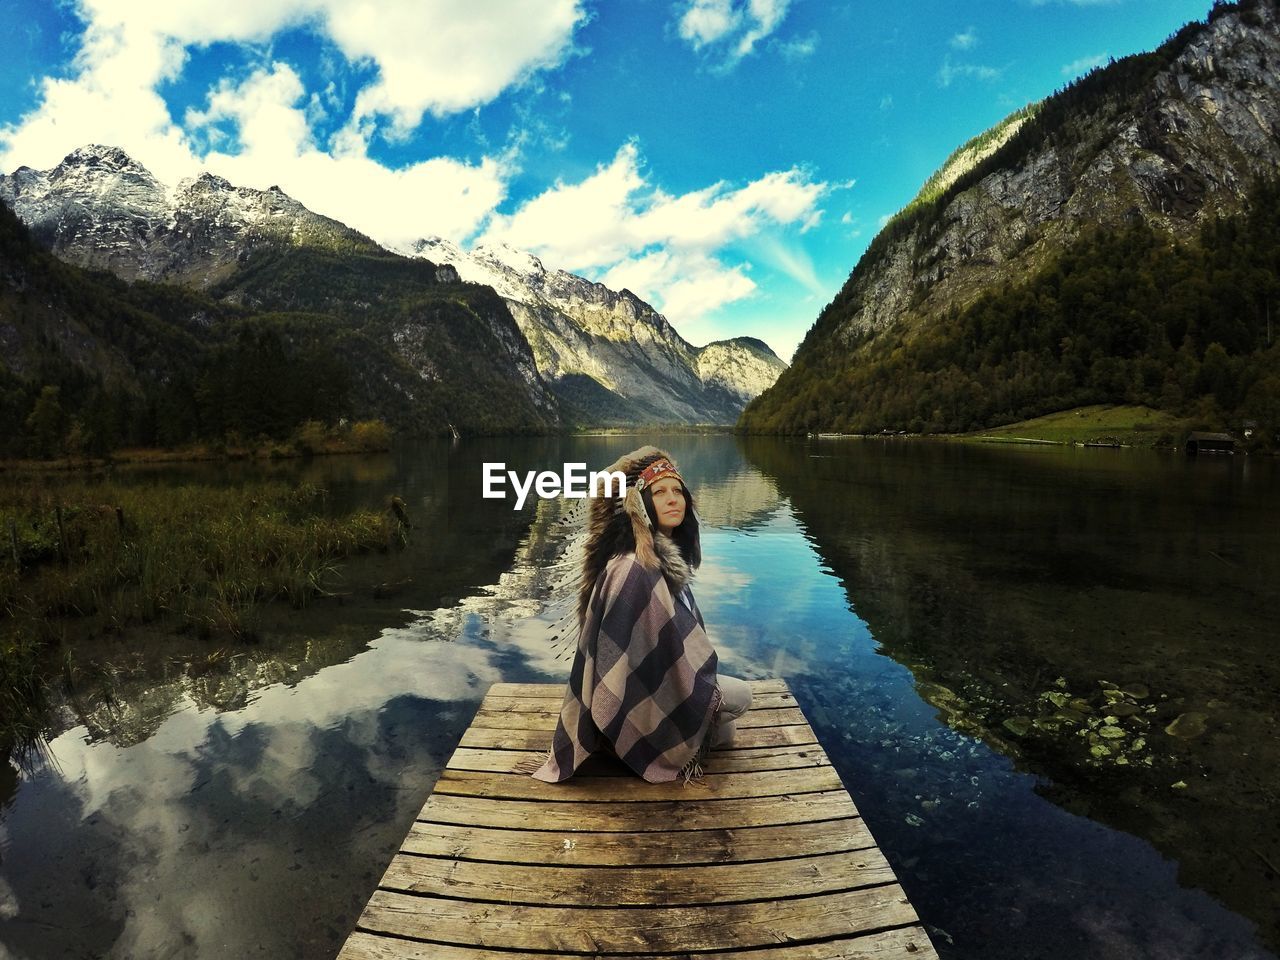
(531, 764)
(693, 770)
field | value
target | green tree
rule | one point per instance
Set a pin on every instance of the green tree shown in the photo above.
(47, 423)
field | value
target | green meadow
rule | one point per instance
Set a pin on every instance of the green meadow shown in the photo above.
(1130, 426)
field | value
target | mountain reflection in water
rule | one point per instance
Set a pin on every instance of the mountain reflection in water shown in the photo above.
(1012, 656)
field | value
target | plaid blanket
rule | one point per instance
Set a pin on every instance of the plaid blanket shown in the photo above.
(644, 676)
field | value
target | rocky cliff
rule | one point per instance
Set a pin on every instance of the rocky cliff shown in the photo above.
(1167, 141)
(1176, 147)
(609, 354)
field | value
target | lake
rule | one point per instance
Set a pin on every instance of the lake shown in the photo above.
(1048, 677)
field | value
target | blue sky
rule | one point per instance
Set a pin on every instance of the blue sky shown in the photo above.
(727, 160)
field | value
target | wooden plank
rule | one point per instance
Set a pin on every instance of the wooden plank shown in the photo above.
(772, 685)
(638, 929)
(656, 815)
(546, 720)
(541, 739)
(719, 761)
(637, 849)
(902, 943)
(713, 786)
(764, 858)
(657, 886)
(553, 703)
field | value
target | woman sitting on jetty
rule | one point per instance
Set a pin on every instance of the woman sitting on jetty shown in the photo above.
(644, 684)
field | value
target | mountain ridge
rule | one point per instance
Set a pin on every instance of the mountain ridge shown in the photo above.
(101, 209)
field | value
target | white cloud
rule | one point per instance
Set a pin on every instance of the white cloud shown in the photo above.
(1078, 67)
(440, 56)
(111, 99)
(854, 225)
(965, 41)
(669, 250)
(949, 72)
(792, 261)
(763, 17)
(262, 109)
(449, 55)
(798, 48)
(730, 28)
(440, 195)
(580, 225)
(686, 284)
(706, 21)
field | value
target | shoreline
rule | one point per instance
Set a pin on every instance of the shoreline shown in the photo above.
(190, 455)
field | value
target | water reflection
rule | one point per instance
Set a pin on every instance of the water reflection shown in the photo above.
(1108, 621)
(233, 833)
(234, 801)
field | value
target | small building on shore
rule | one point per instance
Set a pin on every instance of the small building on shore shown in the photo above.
(1199, 442)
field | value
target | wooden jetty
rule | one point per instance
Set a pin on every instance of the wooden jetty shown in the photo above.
(765, 858)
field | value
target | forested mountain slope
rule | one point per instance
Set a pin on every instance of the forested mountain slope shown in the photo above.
(1120, 246)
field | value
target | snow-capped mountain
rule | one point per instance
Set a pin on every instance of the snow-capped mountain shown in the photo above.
(610, 349)
(99, 208)
(609, 356)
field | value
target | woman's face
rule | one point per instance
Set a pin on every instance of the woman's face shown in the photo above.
(668, 503)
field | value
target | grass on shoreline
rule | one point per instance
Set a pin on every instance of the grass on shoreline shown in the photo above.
(1129, 426)
(310, 439)
(1100, 425)
(88, 557)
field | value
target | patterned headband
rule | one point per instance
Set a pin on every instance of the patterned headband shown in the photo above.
(656, 471)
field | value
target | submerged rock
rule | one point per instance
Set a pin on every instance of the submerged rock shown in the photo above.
(1018, 726)
(1187, 725)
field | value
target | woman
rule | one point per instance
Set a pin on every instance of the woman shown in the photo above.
(644, 683)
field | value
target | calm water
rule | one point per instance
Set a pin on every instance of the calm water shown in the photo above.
(989, 641)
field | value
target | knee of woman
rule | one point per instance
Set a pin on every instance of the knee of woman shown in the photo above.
(736, 696)
(724, 734)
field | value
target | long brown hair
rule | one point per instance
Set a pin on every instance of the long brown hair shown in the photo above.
(687, 536)
(613, 527)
